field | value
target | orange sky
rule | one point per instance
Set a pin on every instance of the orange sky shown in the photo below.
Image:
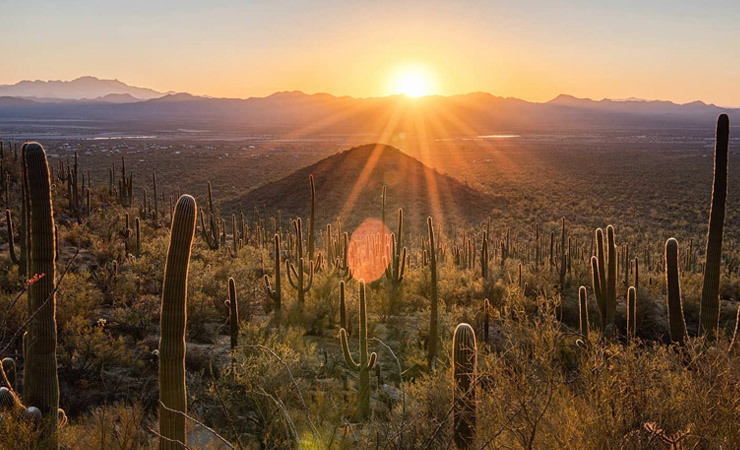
(531, 49)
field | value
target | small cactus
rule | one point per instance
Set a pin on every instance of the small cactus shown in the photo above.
(366, 363)
(677, 325)
(464, 367)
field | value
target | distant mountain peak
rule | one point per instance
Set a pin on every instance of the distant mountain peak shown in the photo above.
(82, 88)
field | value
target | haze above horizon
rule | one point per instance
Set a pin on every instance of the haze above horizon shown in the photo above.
(533, 50)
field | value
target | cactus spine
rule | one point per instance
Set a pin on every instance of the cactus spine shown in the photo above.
(233, 305)
(464, 367)
(366, 363)
(276, 294)
(433, 297)
(709, 316)
(172, 324)
(41, 382)
(677, 325)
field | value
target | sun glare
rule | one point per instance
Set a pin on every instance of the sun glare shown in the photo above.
(412, 81)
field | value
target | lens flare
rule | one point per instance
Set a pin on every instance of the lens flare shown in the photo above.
(367, 250)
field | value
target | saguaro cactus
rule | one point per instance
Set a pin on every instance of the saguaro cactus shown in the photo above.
(631, 312)
(433, 296)
(395, 262)
(172, 324)
(583, 311)
(311, 222)
(709, 316)
(464, 367)
(677, 325)
(275, 294)
(297, 277)
(233, 306)
(604, 278)
(366, 363)
(41, 383)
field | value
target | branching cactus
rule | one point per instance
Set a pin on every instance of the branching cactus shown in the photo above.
(366, 363)
(210, 232)
(464, 368)
(709, 316)
(172, 325)
(41, 382)
(677, 325)
(298, 279)
(396, 260)
(233, 305)
(604, 278)
(275, 293)
(433, 297)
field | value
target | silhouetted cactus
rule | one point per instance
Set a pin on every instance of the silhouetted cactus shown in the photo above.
(604, 278)
(464, 367)
(631, 312)
(366, 363)
(677, 325)
(172, 325)
(563, 262)
(138, 237)
(233, 305)
(296, 276)
(41, 382)
(275, 294)
(433, 297)
(312, 224)
(709, 317)
(583, 311)
(342, 307)
(11, 237)
(395, 262)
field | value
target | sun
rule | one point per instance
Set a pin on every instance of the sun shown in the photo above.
(412, 81)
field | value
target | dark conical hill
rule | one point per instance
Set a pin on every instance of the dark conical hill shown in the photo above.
(349, 185)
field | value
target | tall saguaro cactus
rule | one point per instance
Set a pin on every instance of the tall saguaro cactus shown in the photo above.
(709, 316)
(433, 296)
(677, 325)
(172, 324)
(233, 305)
(41, 382)
(464, 367)
(366, 363)
(311, 222)
(296, 277)
(276, 293)
(396, 261)
(583, 311)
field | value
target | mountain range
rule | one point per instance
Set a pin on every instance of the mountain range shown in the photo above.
(478, 112)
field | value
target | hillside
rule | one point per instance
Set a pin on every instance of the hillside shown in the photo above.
(348, 186)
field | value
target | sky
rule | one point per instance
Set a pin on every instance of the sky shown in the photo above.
(676, 50)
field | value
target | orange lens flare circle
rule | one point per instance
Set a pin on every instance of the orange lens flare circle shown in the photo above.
(367, 253)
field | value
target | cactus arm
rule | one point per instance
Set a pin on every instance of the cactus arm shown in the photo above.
(310, 277)
(677, 324)
(345, 351)
(291, 273)
(372, 360)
